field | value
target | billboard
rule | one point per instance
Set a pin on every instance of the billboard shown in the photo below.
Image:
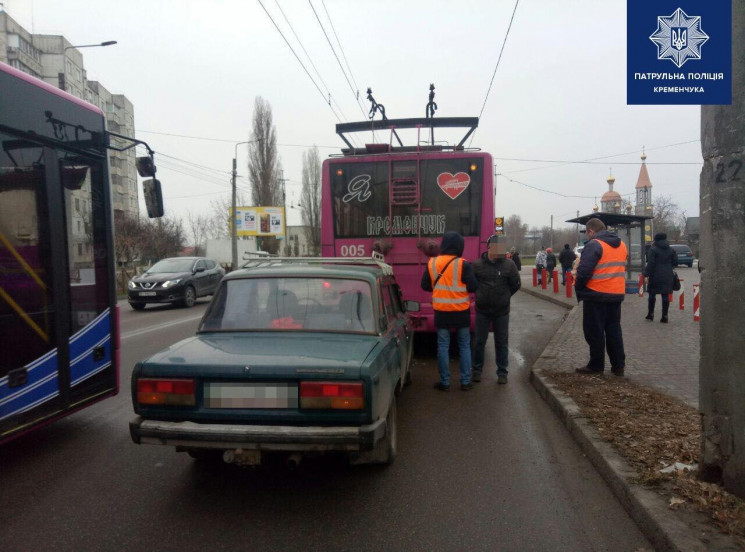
(260, 221)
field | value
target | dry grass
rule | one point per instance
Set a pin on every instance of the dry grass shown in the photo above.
(653, 431)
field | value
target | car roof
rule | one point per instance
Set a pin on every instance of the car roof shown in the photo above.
(313, 268)
(679, 245)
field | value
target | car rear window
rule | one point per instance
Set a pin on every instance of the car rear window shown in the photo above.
(681, 248)
(292, 304)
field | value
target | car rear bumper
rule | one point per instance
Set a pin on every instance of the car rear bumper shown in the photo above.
(257, 437)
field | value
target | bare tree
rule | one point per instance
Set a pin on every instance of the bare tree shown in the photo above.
(264, 165)
(129, 239)
(310, 199)
(197, 225)
(218, 219)
(515, 230)
(667, 217)
(165, 238)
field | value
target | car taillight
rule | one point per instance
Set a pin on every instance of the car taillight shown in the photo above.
(166, 391)
(331, 395)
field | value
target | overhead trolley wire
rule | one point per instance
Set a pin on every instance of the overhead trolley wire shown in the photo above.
(351, 88)
(357, 88)
(299, 60)
(331, 98)
(557, 193)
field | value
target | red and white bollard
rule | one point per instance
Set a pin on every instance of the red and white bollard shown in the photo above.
(695, 303)
(535, 277)
(569, 284)
(682, 294)
(543, 278)
(641, 285)
(556, 281)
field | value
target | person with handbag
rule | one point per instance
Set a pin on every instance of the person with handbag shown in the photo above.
(450, 278)
(659, 275)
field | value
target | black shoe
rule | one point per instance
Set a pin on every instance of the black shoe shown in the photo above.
(502, 379)
(476, 377)
(587, 370)
(617, 371)
(650, 316)
(441, 386)
(466, 386)
(663, 319)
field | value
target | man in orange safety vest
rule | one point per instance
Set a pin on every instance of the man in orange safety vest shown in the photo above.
(601, 285)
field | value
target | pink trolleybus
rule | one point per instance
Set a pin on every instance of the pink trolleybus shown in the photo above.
(400, 200)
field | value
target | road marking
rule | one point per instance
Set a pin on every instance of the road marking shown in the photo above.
(156, 327)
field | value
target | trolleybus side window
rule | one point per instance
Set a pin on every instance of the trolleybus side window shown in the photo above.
(87, 251)
(26, 292)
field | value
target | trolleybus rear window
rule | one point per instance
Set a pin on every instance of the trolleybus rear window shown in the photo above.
(371, 201)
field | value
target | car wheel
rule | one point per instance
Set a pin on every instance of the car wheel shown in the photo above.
(690, 265)
(190, 297)
(138, 306)
(205, 455)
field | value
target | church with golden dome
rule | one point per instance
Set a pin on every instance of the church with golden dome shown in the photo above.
(612, 202)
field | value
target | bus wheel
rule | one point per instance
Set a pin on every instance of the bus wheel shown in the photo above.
(190, 297)
(138, 306)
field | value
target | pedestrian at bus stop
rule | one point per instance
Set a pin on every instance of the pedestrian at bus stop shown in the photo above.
(550, 264)
(515, 256)
(540, 263)
(498, 281)
(658, 274)
(566, 258)
(450, 279)
(601, 285)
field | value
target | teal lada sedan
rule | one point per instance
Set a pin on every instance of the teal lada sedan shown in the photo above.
(293, 356)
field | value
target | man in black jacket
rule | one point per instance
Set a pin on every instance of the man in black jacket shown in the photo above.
(566, 259)
(498, 280)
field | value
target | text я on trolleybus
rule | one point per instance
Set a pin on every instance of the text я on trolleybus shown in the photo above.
(400, 201)
(58, 318)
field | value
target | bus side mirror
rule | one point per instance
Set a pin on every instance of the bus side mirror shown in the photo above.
(145, 166)
(411, 306)
(153, 198)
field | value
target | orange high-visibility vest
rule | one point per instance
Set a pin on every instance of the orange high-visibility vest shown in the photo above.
(449, 294)
(609, 275)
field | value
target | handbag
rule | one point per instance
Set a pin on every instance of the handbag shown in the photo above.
(676, 281)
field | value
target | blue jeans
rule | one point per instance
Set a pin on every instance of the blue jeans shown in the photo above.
(564, 270)
(463, 335)
(501, 326)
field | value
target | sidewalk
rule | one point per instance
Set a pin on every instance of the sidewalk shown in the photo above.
(663, 356)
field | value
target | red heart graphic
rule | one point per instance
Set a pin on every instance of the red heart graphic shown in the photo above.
(453, 184)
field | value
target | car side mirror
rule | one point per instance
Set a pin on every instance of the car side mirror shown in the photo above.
(199, 269)
(411, 306)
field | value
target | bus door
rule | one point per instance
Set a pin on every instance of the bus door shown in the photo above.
(54, 298)
(29, 357)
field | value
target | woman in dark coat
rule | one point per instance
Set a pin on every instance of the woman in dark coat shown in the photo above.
(658, 274)
(515, 256)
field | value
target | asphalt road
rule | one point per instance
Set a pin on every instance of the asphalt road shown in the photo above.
(489, 469)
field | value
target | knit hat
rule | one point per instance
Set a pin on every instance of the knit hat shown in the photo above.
(660, 236)
(492, 239)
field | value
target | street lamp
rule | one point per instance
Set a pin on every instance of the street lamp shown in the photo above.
(233, 228)
(107, 43)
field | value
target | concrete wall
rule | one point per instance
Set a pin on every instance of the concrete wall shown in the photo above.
(722, 364)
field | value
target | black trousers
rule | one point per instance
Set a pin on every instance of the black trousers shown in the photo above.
(602, 326)
(665, 303)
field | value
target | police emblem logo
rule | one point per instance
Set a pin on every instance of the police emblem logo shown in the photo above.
(679, 37)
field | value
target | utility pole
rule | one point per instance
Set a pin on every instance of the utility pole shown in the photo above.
(286, 240)
(551, 234)
(721, 374)
(233, 226)
(578, 228)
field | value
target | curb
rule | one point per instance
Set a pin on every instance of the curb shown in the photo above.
(540, 295)
(648, 510)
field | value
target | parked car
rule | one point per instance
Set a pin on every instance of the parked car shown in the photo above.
(578, 250)
(685, 255)
(292, 357)
(176, 280)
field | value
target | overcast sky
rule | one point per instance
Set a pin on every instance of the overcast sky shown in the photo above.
(194, 69)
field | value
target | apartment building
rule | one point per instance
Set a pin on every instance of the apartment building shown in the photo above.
(55, 60)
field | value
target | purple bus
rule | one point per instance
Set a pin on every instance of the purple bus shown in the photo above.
(400, 200)
(58, 314)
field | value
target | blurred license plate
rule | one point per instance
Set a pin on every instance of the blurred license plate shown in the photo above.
(250, 395)
(148, 294)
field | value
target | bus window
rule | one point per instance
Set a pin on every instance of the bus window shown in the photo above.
(26, 292)
(86, 239)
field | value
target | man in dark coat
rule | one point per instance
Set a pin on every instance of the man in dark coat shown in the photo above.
(600, 285)
(566, 258)
(498, 280)
(453, 295)
(515, 256)
(658, 274)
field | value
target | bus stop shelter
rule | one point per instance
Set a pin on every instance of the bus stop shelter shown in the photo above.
(631, 229)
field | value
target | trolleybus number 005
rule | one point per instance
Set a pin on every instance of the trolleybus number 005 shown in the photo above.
(352, 251)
